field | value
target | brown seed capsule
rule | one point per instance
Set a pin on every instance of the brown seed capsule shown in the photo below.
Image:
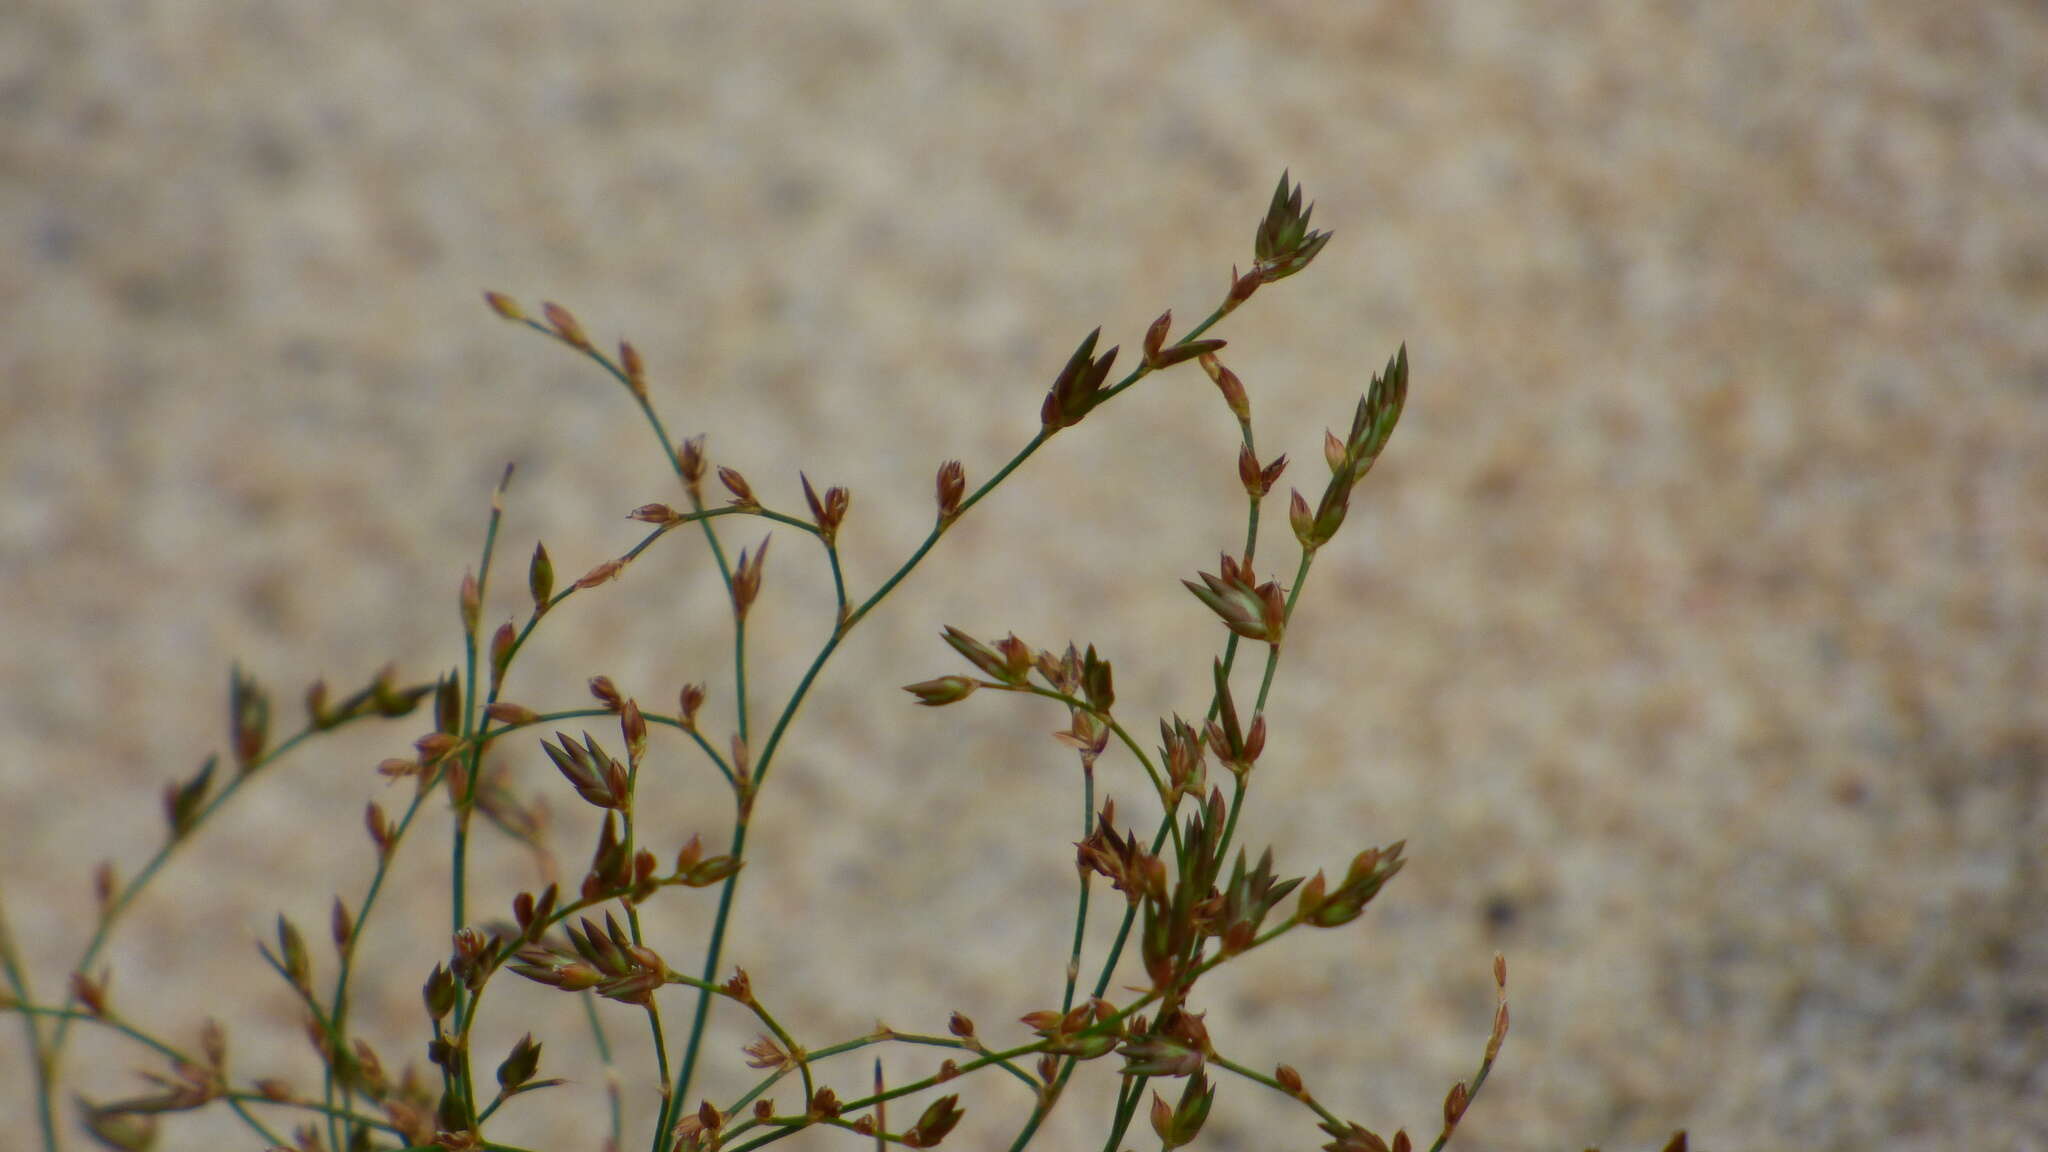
(691, 699)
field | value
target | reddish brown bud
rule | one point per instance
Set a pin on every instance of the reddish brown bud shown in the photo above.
(1155, 337)
(104, 883)
(379, 827)
(1300, 519)
(1230, 386)
(826, 511)
(90, 992)
(740, 987)
(1455, 1102)
(1271, 474)
(434, 747)
(691, 699)
(509, 714)
(742, 494)
(654, 514)
(959, 1025)
(746, 579)
(1289, 1079)
(606, 693)
(764, 1108)
(1248, 471)
(690, 461)
(1500, 971)
(633, 729)
(634, 368)
(690, 854)
(504, 305)
(316, 705)
(609, 570)
(952, 487)
(566, 326)
(501, 653)
(1241, 288)
(1500, 1031)
(340, 925)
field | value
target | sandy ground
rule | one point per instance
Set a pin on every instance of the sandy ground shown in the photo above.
(1693, 632)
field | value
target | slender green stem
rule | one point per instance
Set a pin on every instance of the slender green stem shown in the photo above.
(702, 1015)
(1127, 1098)
(1257, 1077)
(1081, 903)
(611, 1071)
(39, 1055)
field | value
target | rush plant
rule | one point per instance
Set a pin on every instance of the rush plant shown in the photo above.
(1192, 897)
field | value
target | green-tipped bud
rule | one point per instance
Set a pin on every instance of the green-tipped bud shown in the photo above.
(519, 1066)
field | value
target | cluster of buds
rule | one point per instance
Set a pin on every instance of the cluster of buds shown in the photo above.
(131, 1124)
(1257, 479)
(1355, 1137)
(1237, 746)
(1369, 872)
(1123, 859)
(1178, 1124)
(604, 960)
(1252, 610)
(1008, 660)
(1083, 1032)
(698, 1132)
(381, 698)
(827, 511)
(1235, 914)
(1179, 1046)
(1372, 423)
(598, 778)
(1283, 246)
(614, 871)
(1187, 768)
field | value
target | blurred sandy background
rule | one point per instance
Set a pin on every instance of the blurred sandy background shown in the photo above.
(1694, 630)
